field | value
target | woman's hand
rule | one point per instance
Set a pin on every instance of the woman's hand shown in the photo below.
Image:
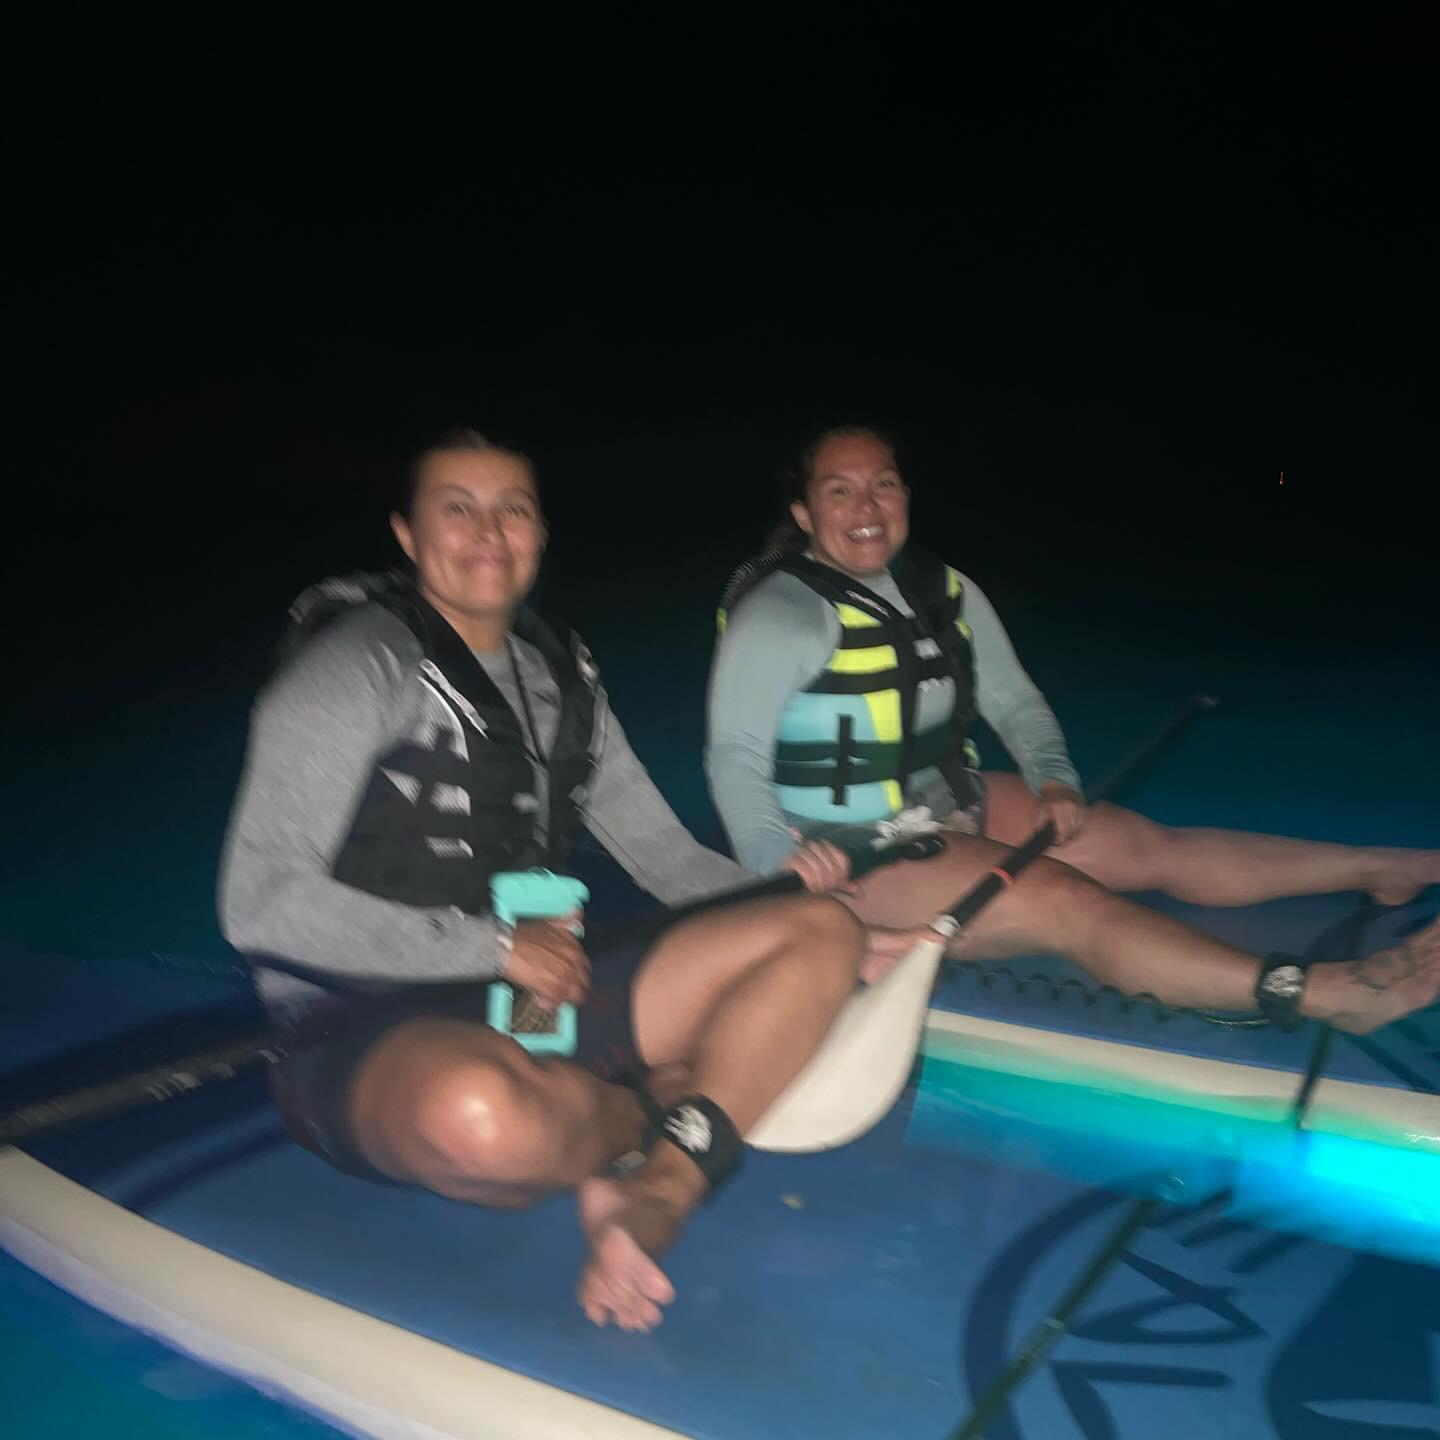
(548, 960)
(822, 866)
(886, 948)
(1062, 807)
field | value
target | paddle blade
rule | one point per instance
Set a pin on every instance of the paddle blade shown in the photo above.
(860, 1069)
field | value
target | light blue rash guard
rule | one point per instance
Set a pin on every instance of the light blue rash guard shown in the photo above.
(778, 640)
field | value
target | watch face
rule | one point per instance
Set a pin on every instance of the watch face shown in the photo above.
(1285, 981)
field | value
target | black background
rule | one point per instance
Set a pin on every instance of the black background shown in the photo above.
(1107, 275)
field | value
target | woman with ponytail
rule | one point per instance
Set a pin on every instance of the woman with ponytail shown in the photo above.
(850, 668)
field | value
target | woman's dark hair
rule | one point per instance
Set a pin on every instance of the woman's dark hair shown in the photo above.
(461, 437)
(796, 476)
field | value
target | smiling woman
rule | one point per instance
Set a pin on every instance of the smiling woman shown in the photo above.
(854, 507)
(851, 667)
(473, 530)
(425, 737)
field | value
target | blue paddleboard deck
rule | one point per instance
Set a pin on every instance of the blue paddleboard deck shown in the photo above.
(872, 1290)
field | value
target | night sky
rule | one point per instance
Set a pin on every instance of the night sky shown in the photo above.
(1107, 276)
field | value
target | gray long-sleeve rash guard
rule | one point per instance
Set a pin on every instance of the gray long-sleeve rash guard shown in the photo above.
(318, 728)
(779, 640)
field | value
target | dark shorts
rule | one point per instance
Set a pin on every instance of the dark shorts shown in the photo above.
(312, 1085)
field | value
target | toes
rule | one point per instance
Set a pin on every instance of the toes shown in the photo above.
(641, 1315)
(623, 1286)
(602, 1302)
(609, 1304)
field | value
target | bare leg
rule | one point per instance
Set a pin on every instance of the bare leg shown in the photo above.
(743, 998)
(1055, 908)
(1125, 851)
(730, 1005)
(470, 1114)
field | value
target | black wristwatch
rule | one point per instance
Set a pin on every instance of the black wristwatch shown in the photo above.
(1278, 992)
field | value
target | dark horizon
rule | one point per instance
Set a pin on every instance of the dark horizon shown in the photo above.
(1107, 279)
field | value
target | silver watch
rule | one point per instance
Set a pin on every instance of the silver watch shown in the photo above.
(1278, 994)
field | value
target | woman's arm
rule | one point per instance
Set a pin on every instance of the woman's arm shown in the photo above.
(776, 642)
(629, 816)
(316, 732)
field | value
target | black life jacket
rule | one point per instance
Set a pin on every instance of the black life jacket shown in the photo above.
(872, 627)
(435, 822)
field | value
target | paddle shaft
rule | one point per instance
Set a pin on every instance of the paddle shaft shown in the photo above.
(273, 1043)
(1044, 1336)
(1008, 870)
(1135, 1218)
(1042, 1339)
(862, 862)
(953, 921)
(144, 1087)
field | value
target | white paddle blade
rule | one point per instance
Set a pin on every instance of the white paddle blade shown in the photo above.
(861, 1067)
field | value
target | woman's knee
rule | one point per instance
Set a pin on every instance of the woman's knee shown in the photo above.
(1136, 835)
(822, 921)
(829, 936)
(480, 1119)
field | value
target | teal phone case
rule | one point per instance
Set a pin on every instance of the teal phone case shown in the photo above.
(534, 895)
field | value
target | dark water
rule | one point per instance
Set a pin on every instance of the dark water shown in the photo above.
(150, 606)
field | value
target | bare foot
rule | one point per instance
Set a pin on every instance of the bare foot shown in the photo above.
(1399, 880)
(628, 1222)
(1362, 995)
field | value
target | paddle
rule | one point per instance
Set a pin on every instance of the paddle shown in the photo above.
(859, 1071)
(908, 836)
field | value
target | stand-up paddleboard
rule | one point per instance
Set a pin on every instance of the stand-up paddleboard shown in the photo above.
(821, 1293)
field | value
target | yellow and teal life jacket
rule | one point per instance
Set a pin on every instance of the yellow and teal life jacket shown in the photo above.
(846, 744)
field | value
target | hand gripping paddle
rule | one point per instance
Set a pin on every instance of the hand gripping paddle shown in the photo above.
(861, 1067)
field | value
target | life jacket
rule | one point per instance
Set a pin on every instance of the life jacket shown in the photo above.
(443, 812)
(846, 744)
